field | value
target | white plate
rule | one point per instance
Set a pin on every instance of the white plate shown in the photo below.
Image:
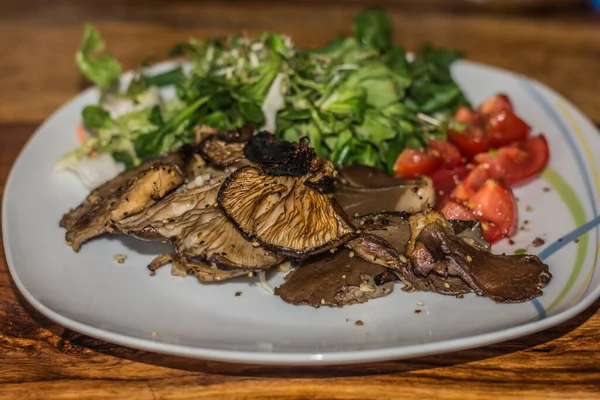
(90, 293)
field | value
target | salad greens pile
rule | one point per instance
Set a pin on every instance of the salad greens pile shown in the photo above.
(358, 99)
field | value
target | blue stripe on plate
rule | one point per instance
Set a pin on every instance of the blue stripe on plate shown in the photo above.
(563, 241)
(542, 102)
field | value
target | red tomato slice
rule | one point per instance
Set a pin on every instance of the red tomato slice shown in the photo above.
(471, 183)
(447, 151)
(495, 105)
(412, 163)
(505, 128)
(496, 203)
(445, 180)
(519, 162)
(454, 210)
(472, 141)
(465, 115)
(491, 232)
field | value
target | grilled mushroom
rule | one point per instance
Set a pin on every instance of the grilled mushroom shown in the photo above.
(226, 148)
(384, 240)
(204, 272)
(199, 230)
(283, 213)
(127, 194)
(435, 248)
(164, 219)
(284, 203)
(362, 190)
(333, 280)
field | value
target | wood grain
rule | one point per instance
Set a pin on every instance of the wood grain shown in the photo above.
(559, 45)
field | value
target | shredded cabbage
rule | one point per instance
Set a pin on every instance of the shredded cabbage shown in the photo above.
(92, 171)
(273, 102)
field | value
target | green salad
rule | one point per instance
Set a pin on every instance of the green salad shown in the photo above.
(359, 98)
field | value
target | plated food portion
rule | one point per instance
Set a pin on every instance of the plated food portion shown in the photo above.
(277, 204)
(354, 165)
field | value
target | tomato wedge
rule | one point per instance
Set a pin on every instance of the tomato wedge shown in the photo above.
(491, 232)
(454, 210)
(519, 162)
(471, 183)
(496, 203)
(447, 151)
(465, 115)
(412, 163)
(505, 128)
(495, 105)
(445, 180)
(472, 141)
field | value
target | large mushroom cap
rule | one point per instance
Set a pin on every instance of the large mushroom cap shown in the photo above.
(284, 201)
(283, 213)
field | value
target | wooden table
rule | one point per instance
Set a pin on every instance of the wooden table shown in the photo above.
(558, 44)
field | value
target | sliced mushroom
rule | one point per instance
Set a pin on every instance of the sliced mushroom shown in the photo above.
(199, 230)
(205, 273)
(362, 190)
(363, 176)
(165, 220)
(215, 240)
(471, 232)
(435, 248)
(127, 194)
(384, 239)
(333, 280)
(283, 213)
(225, 148)
(222, 153)
(201, 132)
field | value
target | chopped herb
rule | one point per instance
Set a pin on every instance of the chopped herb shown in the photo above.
(520, 252)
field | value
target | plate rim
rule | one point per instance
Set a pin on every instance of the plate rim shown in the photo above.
(284, 358)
